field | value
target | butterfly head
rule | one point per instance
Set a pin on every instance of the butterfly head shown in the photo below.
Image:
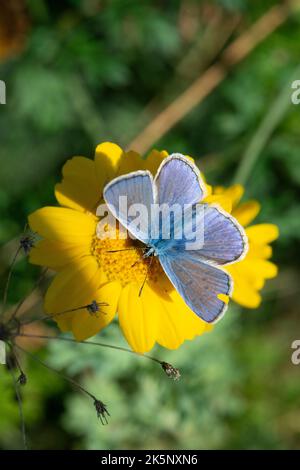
(149, 251)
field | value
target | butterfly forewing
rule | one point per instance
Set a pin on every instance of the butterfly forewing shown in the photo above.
(137, 189)
(178, 181)
(221, 240)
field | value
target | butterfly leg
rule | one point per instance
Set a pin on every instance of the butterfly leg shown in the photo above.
(146, 277)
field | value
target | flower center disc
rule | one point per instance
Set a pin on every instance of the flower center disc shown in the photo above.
(123, 261)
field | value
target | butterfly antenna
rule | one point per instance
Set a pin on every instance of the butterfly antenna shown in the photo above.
(136, 262)
(20, 405)
(126, 249)
(146, 277)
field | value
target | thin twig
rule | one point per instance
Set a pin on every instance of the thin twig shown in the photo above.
(20, 405)
(207, 82)
(269, 123)
(223, 28)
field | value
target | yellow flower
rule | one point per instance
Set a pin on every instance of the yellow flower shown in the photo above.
(88, 269)
(250, 274)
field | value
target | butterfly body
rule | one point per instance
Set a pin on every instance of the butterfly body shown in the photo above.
(157, 248)
(195, 269)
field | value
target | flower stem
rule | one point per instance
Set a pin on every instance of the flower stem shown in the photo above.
(57, 372)
(20, 405)
(92, 343)
(5, 294)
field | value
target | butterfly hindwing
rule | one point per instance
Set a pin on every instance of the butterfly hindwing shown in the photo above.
(199, 284)
(225, 241)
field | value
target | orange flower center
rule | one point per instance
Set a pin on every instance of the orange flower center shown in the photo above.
(123, 261)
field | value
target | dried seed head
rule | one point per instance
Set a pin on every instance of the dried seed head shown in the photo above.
(102, 411)
(171, 371)
(22, 379)
(93, 307)
(27, 243)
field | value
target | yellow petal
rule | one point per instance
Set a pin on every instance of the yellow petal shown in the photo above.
(138, 316)
(86, 324)
(245, 294)
(246, 212)
(79, 188)
(154, 160)
(130, 161)
(162, 286)
(234, 193)
(253, 271)
(224, 298)
(221, 200)
(56, 255)
(61, 224)
(178, 323)
(258, 283)
(209, 188)
(259, 251)
(71, 288)
(107, 161)
(259, 268)
(190, 158)
(245, 285)
(262, 233)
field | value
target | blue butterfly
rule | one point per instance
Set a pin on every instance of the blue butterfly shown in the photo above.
(195, 273)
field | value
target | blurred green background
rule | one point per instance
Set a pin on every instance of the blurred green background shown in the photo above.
(79, 72)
